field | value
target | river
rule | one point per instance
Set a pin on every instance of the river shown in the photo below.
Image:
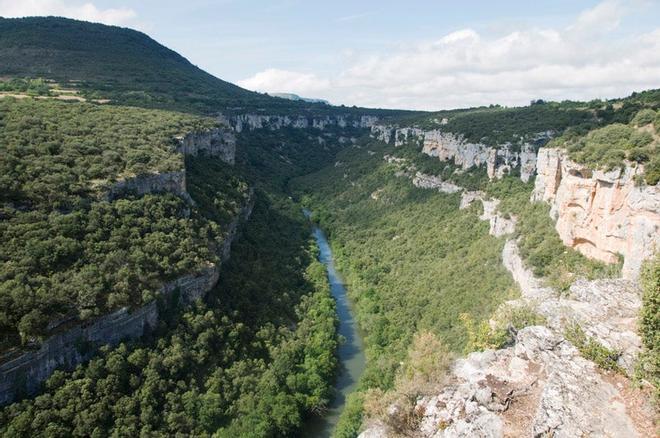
(351, 352)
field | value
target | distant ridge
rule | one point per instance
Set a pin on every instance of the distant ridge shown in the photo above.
(291, 96)
(130, 68)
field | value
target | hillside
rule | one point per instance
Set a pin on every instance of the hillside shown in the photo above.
(130, 68)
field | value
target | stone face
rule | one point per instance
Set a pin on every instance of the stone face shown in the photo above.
(218, 142)
(541, 386)
(172, 182)
(433, 182)
(447, 146)
(78, 344)
(601, 214)
(249, 122)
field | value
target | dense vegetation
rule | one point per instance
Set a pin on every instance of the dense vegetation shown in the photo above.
(409, 256)
(67, 254)
(496, 125)
(252, 361)
(649, 363)
(55, 154)
(611, 146)
(32, 87)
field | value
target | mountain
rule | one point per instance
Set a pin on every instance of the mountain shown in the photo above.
(128, 67)
(291, 96)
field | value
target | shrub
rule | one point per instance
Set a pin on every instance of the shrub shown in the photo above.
(593, 350)
(648, 367)
(644, 117)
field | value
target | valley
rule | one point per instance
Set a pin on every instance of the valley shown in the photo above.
(183, 257)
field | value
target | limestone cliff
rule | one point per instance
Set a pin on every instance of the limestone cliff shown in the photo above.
(218, 142)
(248, 122)
(447, 146)
(601, 214)
(64, 350)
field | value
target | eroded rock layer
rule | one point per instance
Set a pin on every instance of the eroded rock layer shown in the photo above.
(601, 214)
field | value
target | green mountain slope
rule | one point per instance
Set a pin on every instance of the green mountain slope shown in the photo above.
(130, 68)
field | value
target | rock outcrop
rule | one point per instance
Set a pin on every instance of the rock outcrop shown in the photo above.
(172, 182)
(249, 122)
(539, 387)
(424, 181)
(217, 142)
(601, 214)
(77, 344)
(447, 146)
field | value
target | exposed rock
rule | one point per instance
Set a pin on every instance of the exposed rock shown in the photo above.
(541, 386)
(408, 135)
(448, 146)
(499, 224)
(241, 122)
(601, 214)
(433, 182)
(218, 142)
(79, 343)
(172, 182)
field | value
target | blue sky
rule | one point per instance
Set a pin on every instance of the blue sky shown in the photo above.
(411, 54)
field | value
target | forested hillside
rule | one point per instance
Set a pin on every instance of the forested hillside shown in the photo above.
(70, 252)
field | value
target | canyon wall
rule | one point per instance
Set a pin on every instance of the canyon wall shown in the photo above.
(601, 214)
(217, 142)
(242, 122)
(446, 146)
(24, 372)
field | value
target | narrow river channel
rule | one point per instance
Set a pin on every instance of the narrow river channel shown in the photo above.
(351, 352)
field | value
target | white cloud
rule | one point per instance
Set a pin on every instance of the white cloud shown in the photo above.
(464, 68)
(61, 8)
(275, 80)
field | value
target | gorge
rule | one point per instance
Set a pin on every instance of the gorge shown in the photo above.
(184, 257)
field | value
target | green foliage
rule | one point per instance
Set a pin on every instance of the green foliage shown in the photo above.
(32, 87)
(481, 336)
(644, 117)
(350, 420)
(65, 253)
(55, 153)
(593, 350)
(611, 146)
(649, 325)
(251, 362)
(408, 255)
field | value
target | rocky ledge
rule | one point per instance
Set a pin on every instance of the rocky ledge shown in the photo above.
(541, 386)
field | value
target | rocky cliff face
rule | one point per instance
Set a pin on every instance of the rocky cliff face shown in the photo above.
(75, 345)
(601, 214)
(172, 182)
(447, 146)
(241, 122)
(218, 142)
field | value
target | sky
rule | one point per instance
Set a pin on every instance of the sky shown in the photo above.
(412, 54)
